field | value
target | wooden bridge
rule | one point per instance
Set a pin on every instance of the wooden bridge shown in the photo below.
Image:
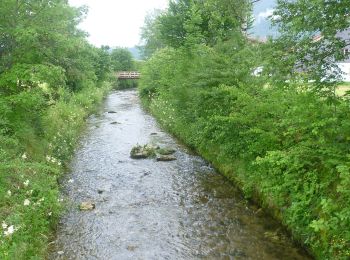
(128, 75)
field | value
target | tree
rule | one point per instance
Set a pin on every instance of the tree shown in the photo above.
(310, 42)
(188, 22)
(38, 36)
(150, 35)
(122, 59)
(41, 51)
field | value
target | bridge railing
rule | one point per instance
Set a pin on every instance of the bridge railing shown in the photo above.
(128, 75)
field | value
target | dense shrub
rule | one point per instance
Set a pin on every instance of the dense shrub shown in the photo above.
(286, 147)
(51, 78)
(32, 158)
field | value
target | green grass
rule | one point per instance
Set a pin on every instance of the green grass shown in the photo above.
(343, 88)
(304, 188)
(31, 162)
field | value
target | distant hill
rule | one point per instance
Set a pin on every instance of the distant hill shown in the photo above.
(135, 53)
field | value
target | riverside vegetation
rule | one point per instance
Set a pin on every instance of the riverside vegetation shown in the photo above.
(265, 114)
(51, 79)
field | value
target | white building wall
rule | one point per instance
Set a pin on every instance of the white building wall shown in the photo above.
(345, 67)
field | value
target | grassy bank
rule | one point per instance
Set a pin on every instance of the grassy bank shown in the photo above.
(286, 148)
(297, 185)
(32, 158)
(343, 88)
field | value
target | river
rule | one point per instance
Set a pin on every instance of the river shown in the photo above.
(147, 209)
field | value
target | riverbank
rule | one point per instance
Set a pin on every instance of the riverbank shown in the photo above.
(31, 162)
(273, 148)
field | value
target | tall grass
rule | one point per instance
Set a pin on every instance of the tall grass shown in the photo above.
(31, 161)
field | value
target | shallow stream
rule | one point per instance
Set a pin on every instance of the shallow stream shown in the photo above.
(147, 209)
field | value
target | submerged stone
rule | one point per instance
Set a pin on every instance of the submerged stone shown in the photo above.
(165, 151)
(143, 152)
(131, 248)
(87, 205)
(139, 155)
(111, 112)
(149, 151)
(165, 158)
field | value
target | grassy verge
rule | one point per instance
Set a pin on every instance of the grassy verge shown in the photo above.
(282, 155)
(31, 161)
(343, 88)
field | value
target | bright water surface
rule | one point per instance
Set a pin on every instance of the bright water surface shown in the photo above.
(155, 210)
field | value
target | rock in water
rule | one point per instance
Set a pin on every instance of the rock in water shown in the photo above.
(149, 150)
(111, 112)
(165, 151)
(143, 152)
(139, 155)
(87, 205)
(165, 158)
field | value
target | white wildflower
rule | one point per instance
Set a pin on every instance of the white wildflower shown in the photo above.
(51, 159)
(24, 156)
(26, 202)
(9, 193)
(30, 192)
(26, 183)
(49, 214)
(9, 230)
(4, 225)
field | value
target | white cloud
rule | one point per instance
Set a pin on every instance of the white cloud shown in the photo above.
(263, 15)
(116, 22)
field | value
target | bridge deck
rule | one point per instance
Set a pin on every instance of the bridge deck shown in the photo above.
(128, 75)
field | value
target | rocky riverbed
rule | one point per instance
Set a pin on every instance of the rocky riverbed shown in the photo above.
(123, 208)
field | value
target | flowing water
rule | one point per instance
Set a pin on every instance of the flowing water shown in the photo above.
(147, 209)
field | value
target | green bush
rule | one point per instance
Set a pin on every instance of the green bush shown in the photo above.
(32, 158)
(126, 84)
(287, 148)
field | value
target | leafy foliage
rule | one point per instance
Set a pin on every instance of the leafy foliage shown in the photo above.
(122, 60)
(50, 79)
(311, 39)
(276, 135)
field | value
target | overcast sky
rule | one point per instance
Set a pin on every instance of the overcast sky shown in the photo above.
(116, 22)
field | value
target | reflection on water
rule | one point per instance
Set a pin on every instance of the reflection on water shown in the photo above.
(155, 210)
